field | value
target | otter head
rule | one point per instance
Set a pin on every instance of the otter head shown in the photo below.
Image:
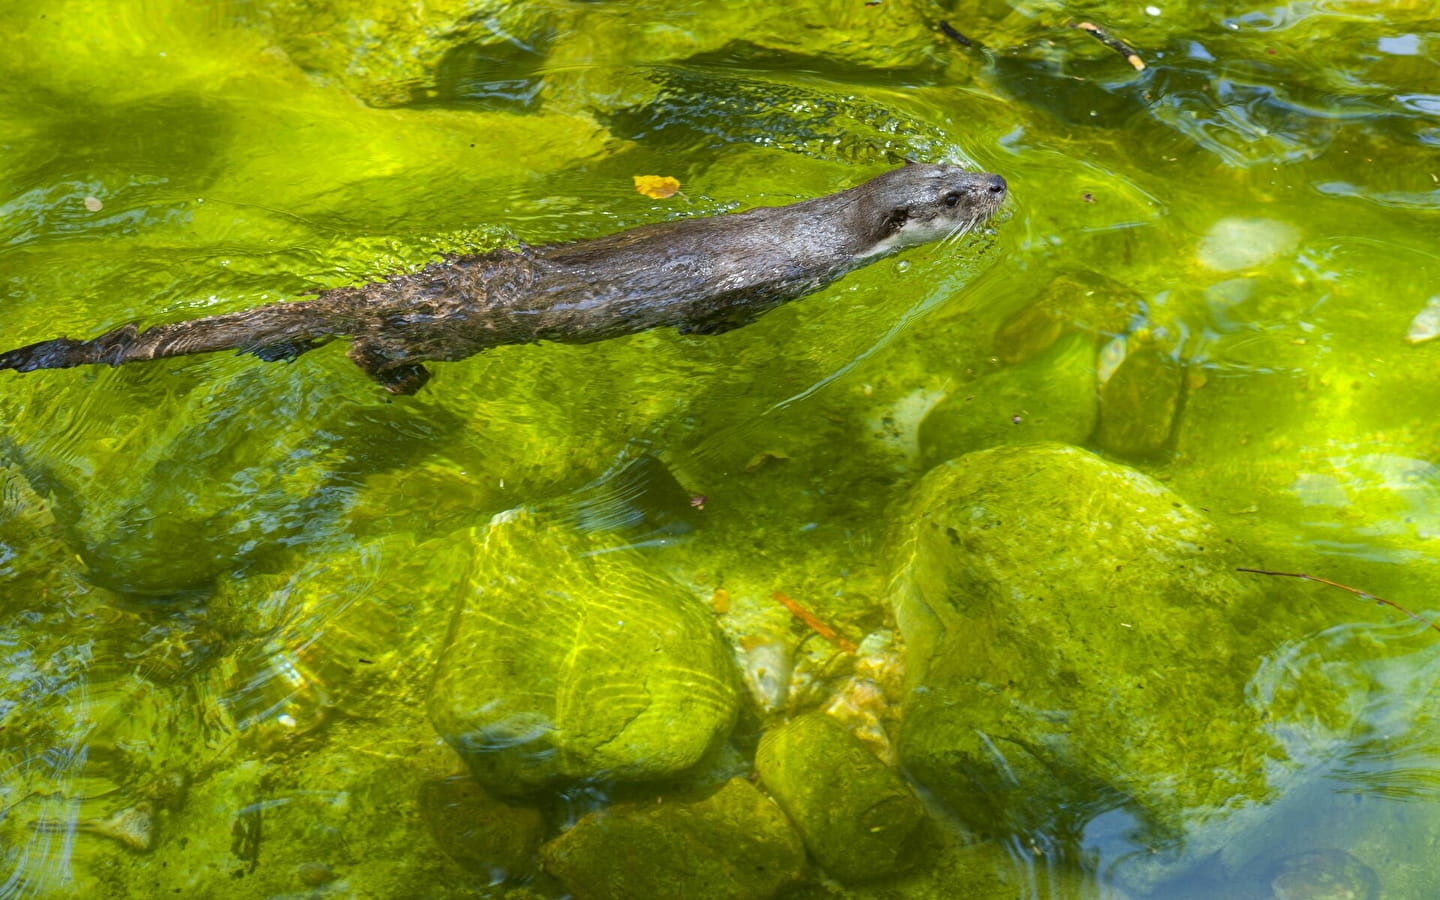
(921, 203)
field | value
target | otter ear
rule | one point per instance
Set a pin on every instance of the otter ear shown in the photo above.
(896, 219)
(909, 161)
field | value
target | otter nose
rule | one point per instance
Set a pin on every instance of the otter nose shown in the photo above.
(996, 185)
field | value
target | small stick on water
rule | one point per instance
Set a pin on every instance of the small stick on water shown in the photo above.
(814, 623)
(1132, 56)
(949, 31)
(1364, 595)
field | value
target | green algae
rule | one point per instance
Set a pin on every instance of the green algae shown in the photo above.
(484, 834)
(859, 820)
(984, 583)
(567, 664)
(1140, 405)
(732, 844)
(1050, 398)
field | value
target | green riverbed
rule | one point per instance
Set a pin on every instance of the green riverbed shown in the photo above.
(270, 632)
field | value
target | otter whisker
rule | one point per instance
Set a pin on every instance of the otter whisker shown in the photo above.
(956, 235)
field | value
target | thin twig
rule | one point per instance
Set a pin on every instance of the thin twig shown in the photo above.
(1364, 595)
(815, 624)
(953, 34)
(1132, 56)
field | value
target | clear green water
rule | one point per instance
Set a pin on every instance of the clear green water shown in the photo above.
(235, 576)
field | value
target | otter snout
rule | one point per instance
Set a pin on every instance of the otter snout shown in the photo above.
(986, 188)
(987, 192)
(981, 194)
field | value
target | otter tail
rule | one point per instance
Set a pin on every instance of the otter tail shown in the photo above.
(275, 332)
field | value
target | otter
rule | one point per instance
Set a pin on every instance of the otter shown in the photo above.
(701, 276)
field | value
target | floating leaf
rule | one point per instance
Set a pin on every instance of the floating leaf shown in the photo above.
(657, 186)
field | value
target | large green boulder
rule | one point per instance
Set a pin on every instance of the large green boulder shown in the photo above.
(1077, 643)
(567, 661)
(733, 845)
(857, 816)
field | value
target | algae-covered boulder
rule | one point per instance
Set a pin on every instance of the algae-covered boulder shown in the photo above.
(482, 832)
(350, 629)
(379, 51)
(34, 559)
(1077, 642)
(338, 820)
(180, 482)
(858, 818)
(1139, 404)
(568, 661)
(1324, 875)
(735, 844)
(502, 52)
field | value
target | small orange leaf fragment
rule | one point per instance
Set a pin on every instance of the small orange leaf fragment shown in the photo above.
(657, 186)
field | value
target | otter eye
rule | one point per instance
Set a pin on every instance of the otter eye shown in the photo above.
(951, 199)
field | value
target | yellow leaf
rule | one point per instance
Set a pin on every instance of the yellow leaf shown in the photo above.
(657, 186)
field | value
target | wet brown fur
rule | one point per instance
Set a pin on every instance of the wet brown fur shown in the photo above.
(701, 276)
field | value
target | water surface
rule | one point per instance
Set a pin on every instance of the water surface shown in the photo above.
(225, 583)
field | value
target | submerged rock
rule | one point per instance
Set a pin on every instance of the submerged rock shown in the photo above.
(480, 832)
(1139, 404)
(1235, 244)
(133, 826)
(34, 558)
(568, 662)
(192, 486)
(857, 817)
(1074, 301)
(345, 632)
(510, 55)
(1051, 397)
(1324, 875)
(340, 820)
(1068, 622)
(1426, 324)
(735, 844)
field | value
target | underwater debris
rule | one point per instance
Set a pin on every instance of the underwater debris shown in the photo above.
(1364, 595)
(1132, 56)
(814, 623)
(133, 826)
